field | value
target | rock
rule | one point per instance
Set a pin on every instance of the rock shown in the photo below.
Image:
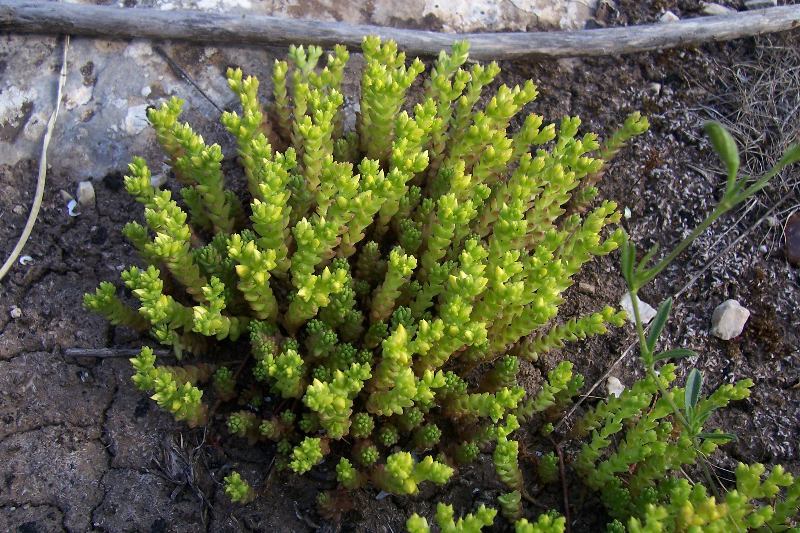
(136, 119)
(614, 386)
(791, 234)
(71, 208)
(15, 312)
(716, 9)
(85, 194)
(18, 209)
(668, 17)
(646, 311)
(157, 180)
(728, 320)
(759, 4)
(655, 88)
(65, 195)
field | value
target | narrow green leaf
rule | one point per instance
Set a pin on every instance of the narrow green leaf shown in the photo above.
(677, 353)
(694, 384)
(726, 148)
(628, 258)
(658, 323)
(791, 155)
(647, 257)
(721, 437)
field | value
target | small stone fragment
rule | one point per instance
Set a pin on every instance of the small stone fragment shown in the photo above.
(728, 320)
(586, 288)
(712, 9)
(157, 180)
(136, 119)
(85, 194)
(71, 208)
(18, 210)
(15, 312)
(668, 17)
(25, 260)
(791, 235)
(646, 311)
(614, 386)
(760, 4)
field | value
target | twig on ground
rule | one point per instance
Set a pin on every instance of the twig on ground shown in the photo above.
(233, 28)
(109, 353)
(178, 70)
(562, 473)
(40, 180)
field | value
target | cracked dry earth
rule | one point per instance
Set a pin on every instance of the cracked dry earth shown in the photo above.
(82, 450)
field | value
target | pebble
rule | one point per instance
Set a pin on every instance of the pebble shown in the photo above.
(19, 209)
(728, 320)
(760, 4)
(646, 311)
(157, 180)
(791, 234)
(71, 208)
(65, 195)
(716, 9)
(85, 194)
(668, 17)
(15, 312)
(586, 288)
(614, 386)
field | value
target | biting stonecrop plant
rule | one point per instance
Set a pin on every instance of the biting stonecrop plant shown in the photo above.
(389, 280)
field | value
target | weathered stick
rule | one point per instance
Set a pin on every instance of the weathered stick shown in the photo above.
(106, 353)
(21, 16)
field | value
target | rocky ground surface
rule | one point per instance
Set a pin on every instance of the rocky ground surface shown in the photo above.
(81, 450)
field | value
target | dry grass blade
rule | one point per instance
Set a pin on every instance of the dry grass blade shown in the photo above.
(40, 180)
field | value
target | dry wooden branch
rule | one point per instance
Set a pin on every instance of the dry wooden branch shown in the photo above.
(21, 16)
(107, 353)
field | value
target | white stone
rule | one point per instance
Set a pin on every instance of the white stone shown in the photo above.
(72, 208)
(716, 9)
(136, 119)
(85, 193)
(146, 90)
(728, 320)
(614, 386)
(12, 101)
(646, 311)
(15, 312)
(139, 51)
(668, 17)
(759, 4)
(78, 97)
(157, 180)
